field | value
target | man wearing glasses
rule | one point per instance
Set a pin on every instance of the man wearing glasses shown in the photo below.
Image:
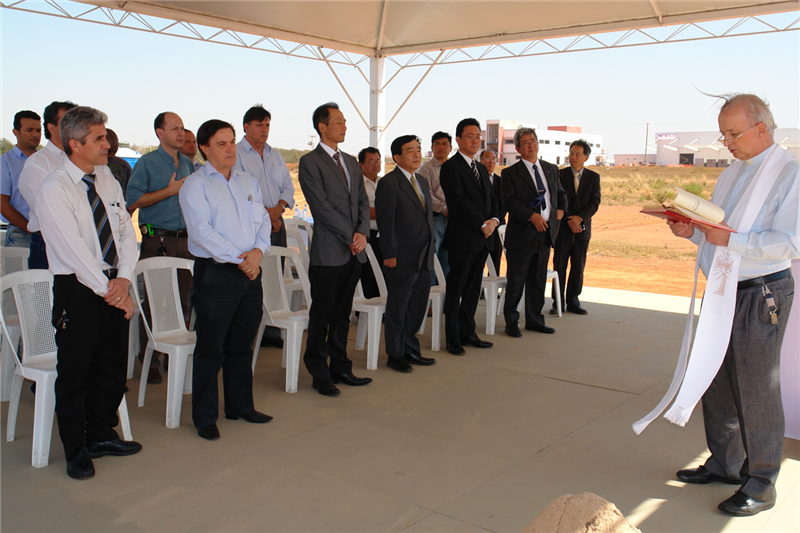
(742, 408)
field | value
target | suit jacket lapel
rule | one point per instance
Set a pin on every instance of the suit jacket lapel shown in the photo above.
(333, 166)
(526, 176)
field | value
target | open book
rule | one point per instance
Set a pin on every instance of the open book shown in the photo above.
(687, 207)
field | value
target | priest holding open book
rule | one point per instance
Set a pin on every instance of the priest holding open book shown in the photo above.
(734, 362)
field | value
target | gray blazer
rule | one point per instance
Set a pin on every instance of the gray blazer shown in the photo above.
(338, 213)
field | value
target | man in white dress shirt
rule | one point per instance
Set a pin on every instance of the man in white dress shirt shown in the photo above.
(92, 254)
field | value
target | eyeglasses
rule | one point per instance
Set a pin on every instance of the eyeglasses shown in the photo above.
(472, 137)
(724, 140)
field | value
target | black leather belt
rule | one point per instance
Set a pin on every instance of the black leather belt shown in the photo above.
(209, 260)
(437, 214)
(111, 273)
(746, 284)
(180, 234)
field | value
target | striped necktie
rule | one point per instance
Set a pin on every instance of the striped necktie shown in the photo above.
(107, 246)
(477, 175)
(540, 187)
(341, 169)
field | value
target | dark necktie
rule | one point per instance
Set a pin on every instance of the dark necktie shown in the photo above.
(107, 246)
(540, 187)
(477, 175)
(341, 169)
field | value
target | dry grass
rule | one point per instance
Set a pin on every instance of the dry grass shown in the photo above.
(627, 250)
(649, 185)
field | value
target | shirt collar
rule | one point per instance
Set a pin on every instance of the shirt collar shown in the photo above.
(52, 148)
(530, 165)
(19, 154)
(209, 171)
(249, 147)
(330, 151)
(168, 157)
(469, 160)
(406, 173)
(75, 173)
(758, 159)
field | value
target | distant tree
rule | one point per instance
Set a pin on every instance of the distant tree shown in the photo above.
(5, 145)
(292, 155)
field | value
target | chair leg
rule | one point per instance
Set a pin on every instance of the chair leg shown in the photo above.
(257, 345)
(148, 356)
(187, 376)
(421, 329)
(291, 348)
(44, 411)
(436, 325)
(175, 380)
(361, 332)
(13, 407)
(124, 419)
(374, 340)
(7, 365)
(491, 311)
(501, 301)
(133, 343)
(557, 284)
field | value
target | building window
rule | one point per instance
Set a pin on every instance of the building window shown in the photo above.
(567, 143)
(558, 159)
(598, 145)
(591, 144)
(558, 142)
(545, 141)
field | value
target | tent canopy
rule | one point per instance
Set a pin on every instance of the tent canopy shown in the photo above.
(390, 27)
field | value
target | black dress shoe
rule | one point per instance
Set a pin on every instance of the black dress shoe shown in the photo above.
(473, 340)
(326, 388)
(275, 342)
(540, 329)
(578, 310)
(740, 504)
(415, 358)
(113, 447)
(512, 330)
(455, 349)
(399, 365)
(701, 476)
(254, 417)
(554, 311)
(349, 379)
(81, 466)
(209, 432)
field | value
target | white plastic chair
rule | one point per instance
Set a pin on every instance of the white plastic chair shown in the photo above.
(167, 333)
(278, 314)
(294, 289)
(300, 224)
(492, 286)
(374, 308)
(436, 301)
(33, 294)
(12, 259)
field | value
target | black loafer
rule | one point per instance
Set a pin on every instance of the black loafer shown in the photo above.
(740, 504)
(455, 348)
(113, 447)
(578, 310)
(349, 379)
(254, 417)
(399, 365)
(81, 466)
(473, 340)
(209, 432)
(326, 388)
(512, 330)
(540, 329)
(554, 311)
(415, 358)
(701, 476)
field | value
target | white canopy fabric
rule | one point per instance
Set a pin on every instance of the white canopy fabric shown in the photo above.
(389, 27)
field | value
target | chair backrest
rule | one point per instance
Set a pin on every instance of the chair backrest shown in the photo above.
(13, 259)
(437, 269)
(33, 295)
(376, 270)
(298, 224)
(295, 241)
(161, 283)
(501, 232)
(490, 267)
(274, 297)
(293, 259)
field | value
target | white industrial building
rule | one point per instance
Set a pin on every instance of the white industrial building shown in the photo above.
(554, 142)
(702, 149)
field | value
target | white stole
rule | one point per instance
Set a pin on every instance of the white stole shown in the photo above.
(695, 372)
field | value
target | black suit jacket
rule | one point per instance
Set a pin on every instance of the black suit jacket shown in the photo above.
(338, 212)
(583, 204)
(406, 227)
(518, 193)
(497, 190)
(468, 206)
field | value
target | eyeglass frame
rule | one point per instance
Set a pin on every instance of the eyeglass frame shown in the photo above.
(723, 140)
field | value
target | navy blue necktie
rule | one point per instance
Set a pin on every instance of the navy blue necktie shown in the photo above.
(540, 187)
(107, 246)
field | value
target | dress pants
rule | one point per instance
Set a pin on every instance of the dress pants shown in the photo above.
(496, 253)
(743, 409)
(462, 293)
(368, 283)
(38, 256)
(406, 305)
(439, 227)
(172, 247)
(228, 307)
(332, 289)
(569, 249)
(527, 270)
(92, 339)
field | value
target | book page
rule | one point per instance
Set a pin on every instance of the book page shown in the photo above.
(694, 204)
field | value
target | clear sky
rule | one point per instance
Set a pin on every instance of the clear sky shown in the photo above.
(132, 76)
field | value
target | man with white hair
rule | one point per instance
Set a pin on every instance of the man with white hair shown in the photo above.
(742, 408)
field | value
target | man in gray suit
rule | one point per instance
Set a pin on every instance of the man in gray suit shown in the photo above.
(404, 211)
(332, 184)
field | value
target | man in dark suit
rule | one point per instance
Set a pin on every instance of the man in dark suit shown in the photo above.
(583, 198)
(333, 187)
(535, 202)
(404, 211)
(472, 220)
(489, 160)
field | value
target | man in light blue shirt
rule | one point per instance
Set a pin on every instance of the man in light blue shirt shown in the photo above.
(228, 234)
(742, 408)
(13, 207)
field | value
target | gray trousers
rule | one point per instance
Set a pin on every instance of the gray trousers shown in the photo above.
(742, 409)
